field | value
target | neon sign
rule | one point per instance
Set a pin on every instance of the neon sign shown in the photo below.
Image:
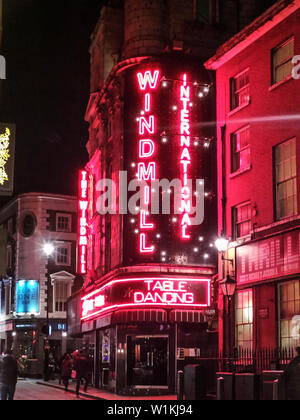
(185, 157)
(147, 171)
(4, 155)
(147, 292)
(83, 233)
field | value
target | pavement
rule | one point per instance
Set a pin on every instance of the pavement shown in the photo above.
(29, 390)
(97, 394)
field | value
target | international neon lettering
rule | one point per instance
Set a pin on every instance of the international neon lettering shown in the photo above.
(185, 157)
(83, 231)
(158, 292)
(147, 170)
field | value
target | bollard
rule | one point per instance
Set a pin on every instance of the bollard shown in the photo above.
(220, 389)
(180, 385)
(276, 390)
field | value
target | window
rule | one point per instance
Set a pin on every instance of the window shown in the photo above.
(61, 294)
(63, 254)
(282, 65)
(289, 314)
(244, 319)
(240, 156)
(206, 11)
(286, 179)
(242, 220)
(239, 90)
(63, 222)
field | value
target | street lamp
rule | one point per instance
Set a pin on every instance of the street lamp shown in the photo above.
(48, 251)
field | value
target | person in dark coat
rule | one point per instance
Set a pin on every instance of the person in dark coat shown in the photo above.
(291, 377)
(66, 370)
(8, 376)
(81, 368)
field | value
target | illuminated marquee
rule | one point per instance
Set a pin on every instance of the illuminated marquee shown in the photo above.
(82, 211)
(147, 168)
(185, 157)
(155, 292)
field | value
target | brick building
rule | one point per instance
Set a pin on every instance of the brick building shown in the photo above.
(150, 94)
(31, 281)
(258, 182)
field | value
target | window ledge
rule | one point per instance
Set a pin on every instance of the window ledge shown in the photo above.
(240, 172)
(282, 82)
(239, 108)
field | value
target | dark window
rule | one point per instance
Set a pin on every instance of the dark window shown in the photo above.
(240, 156)
(282, 65)
(239, 90)
(242, 220)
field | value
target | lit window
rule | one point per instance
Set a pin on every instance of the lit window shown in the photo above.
(286, 179)
(289, 314)
(240, 157)
(63, 222)
(242, 220)
(244, 319)
(282, 65)
(63, 254)
(240, 90)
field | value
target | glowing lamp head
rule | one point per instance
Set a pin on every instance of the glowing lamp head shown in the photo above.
(222, 244)
(48, 249)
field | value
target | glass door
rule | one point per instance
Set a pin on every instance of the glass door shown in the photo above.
(147, 361)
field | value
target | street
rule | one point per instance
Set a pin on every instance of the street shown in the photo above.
(29, 390)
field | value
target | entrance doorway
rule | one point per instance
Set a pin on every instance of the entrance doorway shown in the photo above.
(148, 361)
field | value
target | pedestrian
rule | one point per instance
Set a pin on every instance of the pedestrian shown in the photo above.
(81, 368)
(66, 370)
(60, 363)
(291, 378)
(8, 376)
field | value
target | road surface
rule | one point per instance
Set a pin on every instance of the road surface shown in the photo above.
(29, 390)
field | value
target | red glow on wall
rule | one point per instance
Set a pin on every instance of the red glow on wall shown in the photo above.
(185, 157)
(147, 171)
(147, 292)
(82, 228)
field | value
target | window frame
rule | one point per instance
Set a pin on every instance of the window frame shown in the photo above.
(279, 319)
(233, 137)
(239, 324)
(234, 92)
(68, 246)
(235, 219)
(66, 216)
(277, 215)
(274, 68)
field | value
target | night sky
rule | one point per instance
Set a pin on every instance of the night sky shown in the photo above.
(45, 44)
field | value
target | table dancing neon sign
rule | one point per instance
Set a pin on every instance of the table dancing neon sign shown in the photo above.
(147, 292)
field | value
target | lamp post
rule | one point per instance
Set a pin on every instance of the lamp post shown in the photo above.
(48, 251)
(228, 287)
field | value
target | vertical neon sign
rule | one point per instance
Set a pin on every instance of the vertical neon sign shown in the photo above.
(83, 233)
(147, 168)
(185, 157)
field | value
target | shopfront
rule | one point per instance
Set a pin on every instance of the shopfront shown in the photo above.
(139, 329)
(267, 308)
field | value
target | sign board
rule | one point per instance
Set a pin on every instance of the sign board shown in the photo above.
(147, 292)
(27, 296)
(269, 259)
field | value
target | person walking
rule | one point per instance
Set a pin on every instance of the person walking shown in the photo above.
(81, 368)
(291, 378)
(8, 376)
(66, 370)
